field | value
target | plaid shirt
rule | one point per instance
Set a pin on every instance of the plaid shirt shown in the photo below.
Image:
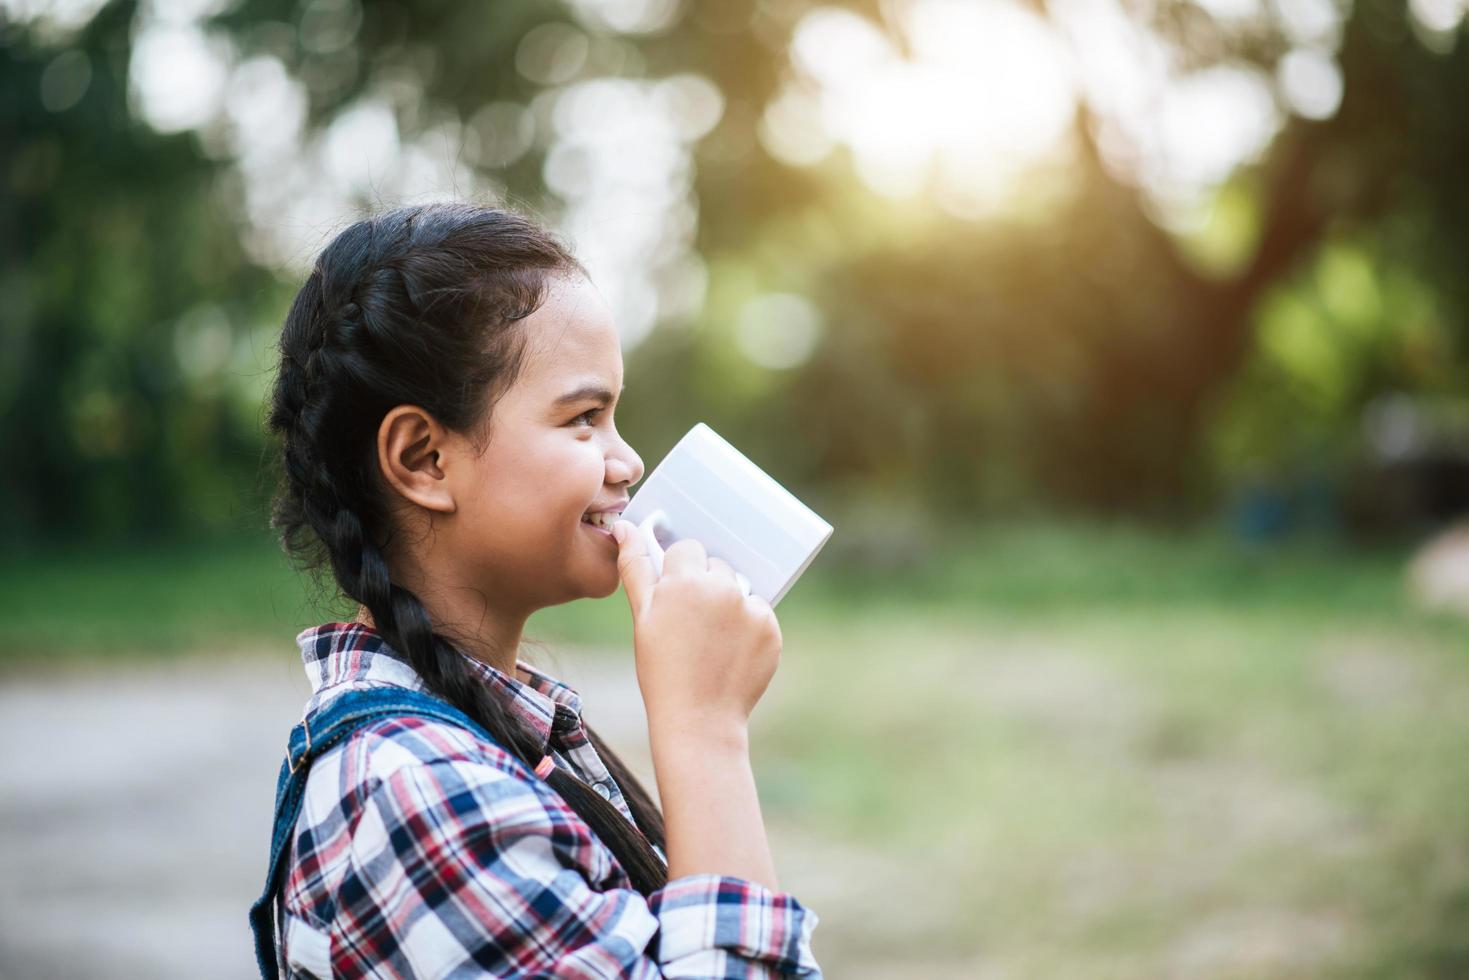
(421, 851)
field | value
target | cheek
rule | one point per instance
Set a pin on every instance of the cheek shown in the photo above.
(535, 494)
(574, 480)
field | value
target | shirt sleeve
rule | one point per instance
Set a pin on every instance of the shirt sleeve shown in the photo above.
(459, 868)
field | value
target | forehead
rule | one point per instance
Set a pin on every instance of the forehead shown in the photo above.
(571, 338)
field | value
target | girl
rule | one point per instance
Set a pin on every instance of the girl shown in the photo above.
(445, 409)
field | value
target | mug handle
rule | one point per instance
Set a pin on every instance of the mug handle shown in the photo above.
(657, 519)
(647, 529)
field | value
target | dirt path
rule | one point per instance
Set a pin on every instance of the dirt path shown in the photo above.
(135, 818)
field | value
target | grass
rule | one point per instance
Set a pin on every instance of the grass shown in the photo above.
(1033, 751)
(1102, 753)
(73, 602)
(87, 602)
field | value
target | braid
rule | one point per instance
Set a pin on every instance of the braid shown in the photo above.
(382, 321)
(644, 810)
(401, 619)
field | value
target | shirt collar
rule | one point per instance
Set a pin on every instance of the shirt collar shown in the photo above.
(343, 653)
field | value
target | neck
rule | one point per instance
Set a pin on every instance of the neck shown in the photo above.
(490, 636)
(488, 633)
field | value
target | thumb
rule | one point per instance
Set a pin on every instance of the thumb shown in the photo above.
(633, 565)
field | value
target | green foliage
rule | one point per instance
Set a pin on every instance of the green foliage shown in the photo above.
(130, 315)
(1073, 354)
(1357, 324)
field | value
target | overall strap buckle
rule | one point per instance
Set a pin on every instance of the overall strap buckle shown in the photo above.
(304, 759)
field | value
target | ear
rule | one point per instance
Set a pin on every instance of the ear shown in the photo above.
(412, 450)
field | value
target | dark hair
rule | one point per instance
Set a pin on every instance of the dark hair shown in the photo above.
(419, 306)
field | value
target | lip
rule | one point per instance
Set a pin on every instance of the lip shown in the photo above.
(615, 507)
(598, 530)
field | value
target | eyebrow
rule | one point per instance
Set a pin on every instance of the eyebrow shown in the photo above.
(590, 392)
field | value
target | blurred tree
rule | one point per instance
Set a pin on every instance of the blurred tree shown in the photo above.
(1088, 360)
(1080, 354)
(113, 235)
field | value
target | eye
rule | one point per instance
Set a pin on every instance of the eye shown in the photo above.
(589, 415)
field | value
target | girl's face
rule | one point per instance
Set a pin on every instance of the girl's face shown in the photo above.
(553, 455)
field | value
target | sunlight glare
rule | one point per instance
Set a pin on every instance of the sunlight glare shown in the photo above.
(177, 75)
(986, 94)
(362, 144)
(1311, 83)
(778, 331)
(1439, 16)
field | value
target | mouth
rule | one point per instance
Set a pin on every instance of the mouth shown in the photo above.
(601, 521)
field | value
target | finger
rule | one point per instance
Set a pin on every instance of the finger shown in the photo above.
(726, 570)
(761, 609)
(685, 555)
(722, 567)
(633, 564)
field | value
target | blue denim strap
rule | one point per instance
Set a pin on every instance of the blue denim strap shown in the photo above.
(318, 732)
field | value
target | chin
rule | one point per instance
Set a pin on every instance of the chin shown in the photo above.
(595, 589)
(597, 584)
(604, 590)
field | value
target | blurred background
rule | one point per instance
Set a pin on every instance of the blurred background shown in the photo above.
(1123, 342)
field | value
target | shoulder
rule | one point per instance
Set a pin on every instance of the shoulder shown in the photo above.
(377, 750)
(343, 776)
(382, 747)
(419, 788)
(426, 771)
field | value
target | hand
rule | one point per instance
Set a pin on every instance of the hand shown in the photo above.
(705, 650)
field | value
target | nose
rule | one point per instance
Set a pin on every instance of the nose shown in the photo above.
(623, 464)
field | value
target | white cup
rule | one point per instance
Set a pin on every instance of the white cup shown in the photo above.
(707, 490)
